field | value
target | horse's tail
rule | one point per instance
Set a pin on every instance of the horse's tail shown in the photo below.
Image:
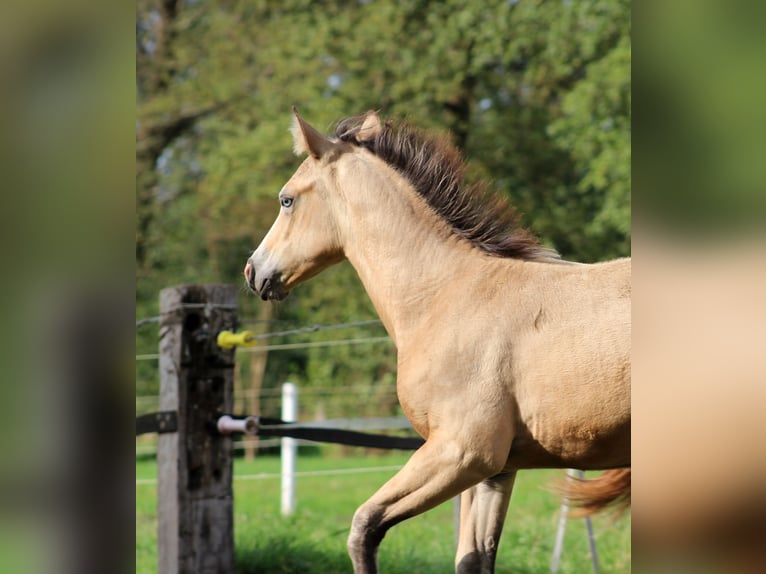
(589, 496)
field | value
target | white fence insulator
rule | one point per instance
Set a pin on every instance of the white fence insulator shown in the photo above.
(228, 425)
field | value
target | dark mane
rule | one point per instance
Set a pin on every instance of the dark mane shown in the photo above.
(436, 170)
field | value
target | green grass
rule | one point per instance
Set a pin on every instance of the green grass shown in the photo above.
(314, 539)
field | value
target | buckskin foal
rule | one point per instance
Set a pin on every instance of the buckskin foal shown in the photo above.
(508, 357)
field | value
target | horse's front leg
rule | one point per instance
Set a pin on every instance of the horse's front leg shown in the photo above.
(439, 470)
(482, 514)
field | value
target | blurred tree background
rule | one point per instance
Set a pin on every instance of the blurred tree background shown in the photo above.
(535, 93)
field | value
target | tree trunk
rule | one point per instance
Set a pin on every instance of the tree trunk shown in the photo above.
(257, 370)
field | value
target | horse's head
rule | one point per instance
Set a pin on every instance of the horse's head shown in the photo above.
(304, 240)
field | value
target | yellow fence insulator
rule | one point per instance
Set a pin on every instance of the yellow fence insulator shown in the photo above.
(229, 340)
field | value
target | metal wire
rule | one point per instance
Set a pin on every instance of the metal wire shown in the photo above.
(315, 328)
(142, 322)
(156, 318)
(298, 331)
(304, 473)
(287, 346)
(313, 344)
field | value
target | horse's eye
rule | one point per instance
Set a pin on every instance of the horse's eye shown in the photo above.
(286, 202)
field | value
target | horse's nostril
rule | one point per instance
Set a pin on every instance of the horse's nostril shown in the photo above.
(249, 273)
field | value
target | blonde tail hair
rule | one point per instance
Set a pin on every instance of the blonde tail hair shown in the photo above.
(589, 496)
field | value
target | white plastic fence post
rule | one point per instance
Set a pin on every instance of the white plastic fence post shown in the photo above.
(289, 448)
(591, 537)
(559, 544)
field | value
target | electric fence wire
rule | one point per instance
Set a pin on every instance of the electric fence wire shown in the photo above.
(288, 332)
(291, 346)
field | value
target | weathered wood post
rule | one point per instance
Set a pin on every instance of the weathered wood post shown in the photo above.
(195, 512)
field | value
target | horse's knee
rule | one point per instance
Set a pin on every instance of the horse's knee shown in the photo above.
(366, 531)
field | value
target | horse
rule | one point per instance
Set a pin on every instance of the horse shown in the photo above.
(508, 357)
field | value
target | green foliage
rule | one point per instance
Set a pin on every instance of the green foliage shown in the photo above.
(536, 94)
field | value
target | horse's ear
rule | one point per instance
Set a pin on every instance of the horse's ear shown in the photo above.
(370, 129)
(307, 139)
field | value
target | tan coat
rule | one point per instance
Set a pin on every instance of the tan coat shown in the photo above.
(504, 362)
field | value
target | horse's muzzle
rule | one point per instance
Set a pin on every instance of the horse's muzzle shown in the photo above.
(267, 288)
(250, 275)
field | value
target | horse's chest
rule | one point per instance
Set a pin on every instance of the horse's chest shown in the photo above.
(447, 391)
(416, 407)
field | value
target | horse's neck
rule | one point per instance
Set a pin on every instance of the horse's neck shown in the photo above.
(402, 283)
(405, 257)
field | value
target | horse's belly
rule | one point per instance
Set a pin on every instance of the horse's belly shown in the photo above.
(585, 448)
(585, 427)
(572, 387)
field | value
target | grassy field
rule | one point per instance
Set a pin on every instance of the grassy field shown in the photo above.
(314, 539)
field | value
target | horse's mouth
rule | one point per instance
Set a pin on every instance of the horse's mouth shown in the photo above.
(274, 295)
(272, 290)
(268, 288)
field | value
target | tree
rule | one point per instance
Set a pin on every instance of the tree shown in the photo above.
(535, 94)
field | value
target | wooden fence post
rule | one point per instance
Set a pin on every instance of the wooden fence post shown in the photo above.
(194, 506)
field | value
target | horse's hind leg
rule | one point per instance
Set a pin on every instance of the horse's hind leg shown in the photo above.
(437, 471)
(482, 514)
